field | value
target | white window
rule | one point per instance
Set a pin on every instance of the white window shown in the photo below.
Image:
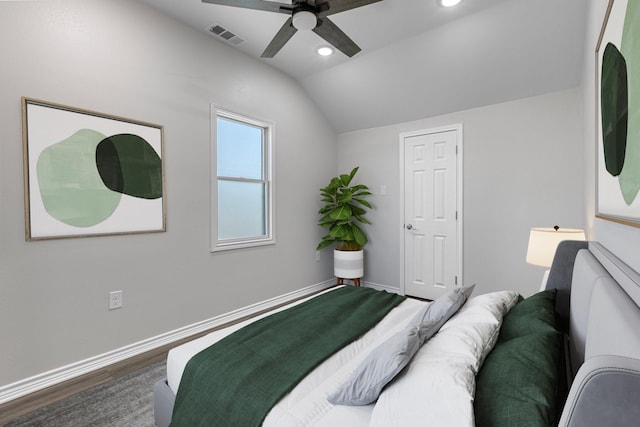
(242, 190)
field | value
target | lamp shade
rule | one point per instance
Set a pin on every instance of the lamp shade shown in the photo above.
(544, 241)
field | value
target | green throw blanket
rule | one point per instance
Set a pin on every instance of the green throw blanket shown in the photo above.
(236, 381)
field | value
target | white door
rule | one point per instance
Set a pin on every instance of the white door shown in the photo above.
(431, 232)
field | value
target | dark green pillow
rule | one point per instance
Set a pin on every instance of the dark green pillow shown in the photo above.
(518, 383)
(534, 314)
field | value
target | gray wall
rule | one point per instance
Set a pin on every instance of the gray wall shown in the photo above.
(124, 58)
(621, 239)
(523, 168)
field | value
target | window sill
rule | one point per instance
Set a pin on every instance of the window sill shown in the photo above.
(222, 247)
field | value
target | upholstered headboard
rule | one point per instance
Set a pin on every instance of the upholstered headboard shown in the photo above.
(604, 341)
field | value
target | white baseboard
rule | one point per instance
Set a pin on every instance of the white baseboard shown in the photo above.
(380, 287)
(56, 376)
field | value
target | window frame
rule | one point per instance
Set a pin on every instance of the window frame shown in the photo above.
(217, 244)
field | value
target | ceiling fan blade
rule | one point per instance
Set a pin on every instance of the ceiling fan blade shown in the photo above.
(281, 38)
(269, 6)
(337, 6)
(336, 37)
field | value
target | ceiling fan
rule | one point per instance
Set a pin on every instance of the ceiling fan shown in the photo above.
(304, 15)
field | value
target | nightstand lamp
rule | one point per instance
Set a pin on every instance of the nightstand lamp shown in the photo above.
(543, 243)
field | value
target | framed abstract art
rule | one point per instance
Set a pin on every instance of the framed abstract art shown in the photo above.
(618, 114)
(90, 174)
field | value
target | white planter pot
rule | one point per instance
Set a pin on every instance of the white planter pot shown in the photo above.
(348, 264)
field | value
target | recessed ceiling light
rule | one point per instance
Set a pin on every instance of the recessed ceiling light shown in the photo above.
(449, 3)
(325, 50)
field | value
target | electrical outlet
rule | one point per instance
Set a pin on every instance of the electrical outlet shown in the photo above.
(317, 255)
(115, 300)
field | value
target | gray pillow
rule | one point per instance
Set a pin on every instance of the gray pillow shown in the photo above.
(380, 367)
(431, 318)
(387, 360)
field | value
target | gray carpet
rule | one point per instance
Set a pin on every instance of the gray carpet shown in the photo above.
(127, 401)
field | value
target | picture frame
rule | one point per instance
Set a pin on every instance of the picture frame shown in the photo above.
(618, 115)
(90, 174)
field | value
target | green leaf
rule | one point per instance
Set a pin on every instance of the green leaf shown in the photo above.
(363, 203)
(325, 209)
(341, 212)
(354, 171)
(337, 232)
(324, 244)
(357, 210)
(343, 233)
(362, 219)
(359, 236)
(329, 189)
(348, 234)
(345, 197)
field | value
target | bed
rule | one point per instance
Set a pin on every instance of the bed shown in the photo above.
(569, 355)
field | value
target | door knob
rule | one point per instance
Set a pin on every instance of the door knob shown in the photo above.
(409, 227)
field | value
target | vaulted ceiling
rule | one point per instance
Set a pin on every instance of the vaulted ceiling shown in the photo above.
(418, 59)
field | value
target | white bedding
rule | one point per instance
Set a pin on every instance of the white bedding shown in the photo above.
(307, 404)
(439, 384)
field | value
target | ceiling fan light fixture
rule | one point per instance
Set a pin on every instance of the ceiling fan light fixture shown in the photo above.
(305, 20)
(449, 3)
(325, 50)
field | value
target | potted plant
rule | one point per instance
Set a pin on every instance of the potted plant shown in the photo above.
(344, 208)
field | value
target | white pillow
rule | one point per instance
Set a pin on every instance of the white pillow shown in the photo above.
(439, 383)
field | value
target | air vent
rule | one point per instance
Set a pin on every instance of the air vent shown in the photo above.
(220, 32)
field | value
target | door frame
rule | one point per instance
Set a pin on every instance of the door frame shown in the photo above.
(458, 128)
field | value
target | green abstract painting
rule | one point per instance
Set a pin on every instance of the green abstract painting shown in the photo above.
(618, 56)
(89, 174)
